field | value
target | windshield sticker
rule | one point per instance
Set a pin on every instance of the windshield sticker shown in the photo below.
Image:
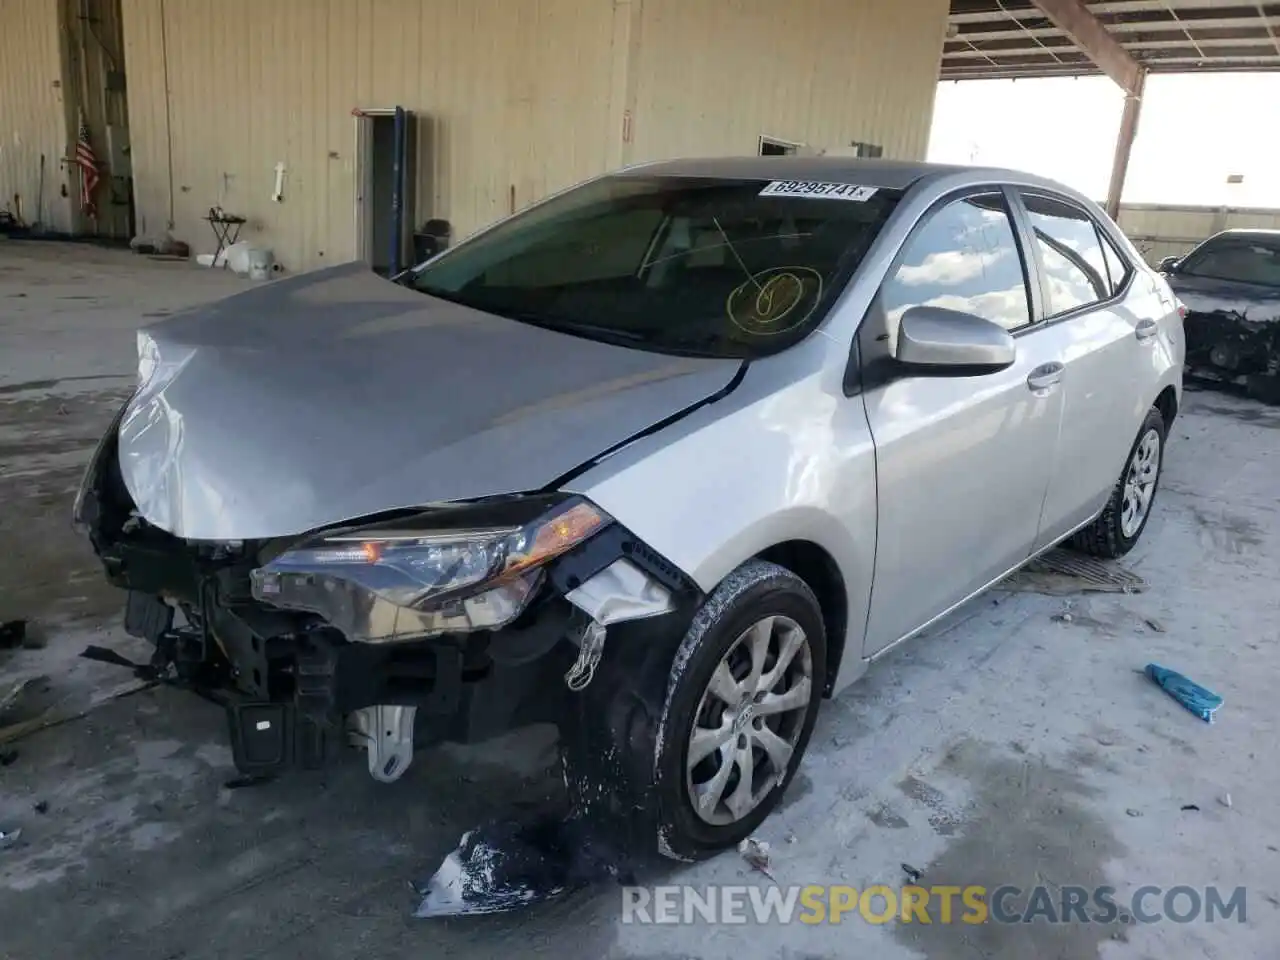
(775, 300)
(818, 190)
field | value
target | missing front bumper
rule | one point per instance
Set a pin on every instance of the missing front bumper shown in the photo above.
(293, 686)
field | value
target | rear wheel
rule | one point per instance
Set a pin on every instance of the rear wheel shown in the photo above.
(740, 708)
(1117, 529)
(1264, 388)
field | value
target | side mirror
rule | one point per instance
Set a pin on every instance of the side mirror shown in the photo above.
(1169, 265)
(953, 342)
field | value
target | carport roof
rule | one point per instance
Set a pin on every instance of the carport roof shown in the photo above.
(1013, 38)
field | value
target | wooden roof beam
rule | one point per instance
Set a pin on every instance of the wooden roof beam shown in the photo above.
(1088, 33)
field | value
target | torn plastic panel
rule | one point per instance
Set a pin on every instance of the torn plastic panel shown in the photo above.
(618, 593)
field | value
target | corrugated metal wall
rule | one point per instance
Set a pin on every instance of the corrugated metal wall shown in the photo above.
(714, 75)
(517, 98)
(1162, 230)
(507, 94)
(93, 50)
(32, 117)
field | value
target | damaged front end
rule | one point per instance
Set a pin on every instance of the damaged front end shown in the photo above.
(1232, 346)
(455, 622)
(1232, 332)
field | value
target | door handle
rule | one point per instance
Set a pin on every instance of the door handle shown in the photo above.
(1146, 329)
(1045, 376)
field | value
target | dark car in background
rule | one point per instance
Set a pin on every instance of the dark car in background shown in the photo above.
(1230, 286)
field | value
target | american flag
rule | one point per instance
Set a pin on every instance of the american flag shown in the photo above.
(87, 161)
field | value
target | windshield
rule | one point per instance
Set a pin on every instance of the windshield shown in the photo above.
(1236, 259)
(725, 268)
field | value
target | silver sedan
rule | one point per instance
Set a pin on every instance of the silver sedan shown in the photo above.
(665, 459)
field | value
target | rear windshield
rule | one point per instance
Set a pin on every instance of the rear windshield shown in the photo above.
(1236, 259)
(706, 267)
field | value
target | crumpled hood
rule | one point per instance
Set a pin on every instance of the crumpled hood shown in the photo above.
(335, 395)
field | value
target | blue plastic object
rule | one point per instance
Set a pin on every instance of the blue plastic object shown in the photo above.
(1199, 700)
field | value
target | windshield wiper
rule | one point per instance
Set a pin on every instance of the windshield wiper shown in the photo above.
(564, 325)
(661, 341)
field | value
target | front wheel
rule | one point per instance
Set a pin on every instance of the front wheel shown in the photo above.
(740, 707)
(1117, 529)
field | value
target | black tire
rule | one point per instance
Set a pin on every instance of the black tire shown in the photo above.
(754, 591)
(1105, 537)
(1265, 388)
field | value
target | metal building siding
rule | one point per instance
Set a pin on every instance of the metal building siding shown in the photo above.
(515, 98)
(32, 116)
(1165, 230)
(714, 75)
(508, 94)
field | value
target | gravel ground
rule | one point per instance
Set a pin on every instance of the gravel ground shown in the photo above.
(1014, 745)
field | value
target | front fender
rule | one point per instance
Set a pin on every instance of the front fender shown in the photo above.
(763, 466)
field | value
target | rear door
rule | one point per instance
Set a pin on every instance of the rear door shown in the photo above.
(1103, 339)
(962, 462)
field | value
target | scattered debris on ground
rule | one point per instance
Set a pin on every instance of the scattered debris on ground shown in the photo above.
(1191, 806)
(12, 633)
(506, 865)
(913, 873)
(1154, 624)
(13, 698)
(1201, 701)
(240, 783)
(18, 721)
(1225, 800)
(756, 853)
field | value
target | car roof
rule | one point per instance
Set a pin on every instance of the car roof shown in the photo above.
(1260, 233)
(888, 174)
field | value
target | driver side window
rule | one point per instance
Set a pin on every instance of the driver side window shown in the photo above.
(963, 257)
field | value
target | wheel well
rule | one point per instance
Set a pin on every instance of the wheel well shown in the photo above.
(1167, 404)
(812, 564)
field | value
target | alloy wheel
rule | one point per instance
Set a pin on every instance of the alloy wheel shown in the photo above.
(1140, 483)
(749, 720)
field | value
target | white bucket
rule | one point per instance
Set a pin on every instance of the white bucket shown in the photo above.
(261, 260)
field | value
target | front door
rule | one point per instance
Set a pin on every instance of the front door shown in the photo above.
(962, 462)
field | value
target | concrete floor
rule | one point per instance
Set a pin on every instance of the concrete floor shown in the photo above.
(1009, 747)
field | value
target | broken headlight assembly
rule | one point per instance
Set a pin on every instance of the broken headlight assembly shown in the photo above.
(424, 576)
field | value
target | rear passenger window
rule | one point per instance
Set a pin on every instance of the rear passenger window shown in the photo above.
(964, 257)
(1074, 264)
(1117, 265)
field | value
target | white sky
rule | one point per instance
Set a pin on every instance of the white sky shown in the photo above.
(1195, 129)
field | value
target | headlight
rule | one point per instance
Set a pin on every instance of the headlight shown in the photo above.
(382, 584)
